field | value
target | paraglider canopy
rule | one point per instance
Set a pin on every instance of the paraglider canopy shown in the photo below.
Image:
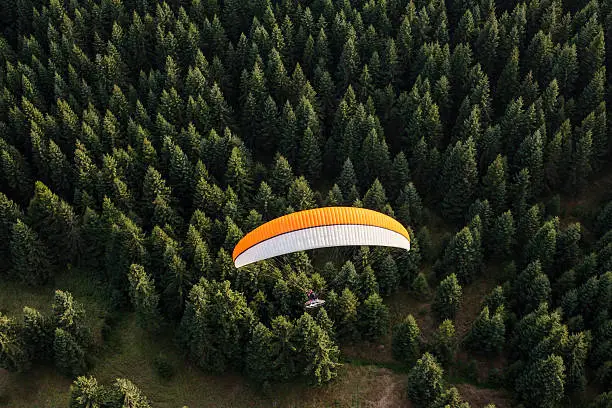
(320, 228)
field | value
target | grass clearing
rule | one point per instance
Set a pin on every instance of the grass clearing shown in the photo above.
(357, 385)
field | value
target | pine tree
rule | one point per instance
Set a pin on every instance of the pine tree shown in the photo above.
(310, 156)
(144, 298)
(199, 326)
(375, 198)
(542, 381)
(445, 343)
(260, 354)
(13, 353)
(406, 343)
(487, 333)
(530, 156)
(495, 184)
(347, 177)
(29, 257)
(55, 222)
(346, 314)
(374, 317)
(448, 298)
(460, 177)
(300, 196)
(317, 353)
(238, 175)
(281, 176)
(503, 236)
(425, 381)
(68, 354)
(531, 288)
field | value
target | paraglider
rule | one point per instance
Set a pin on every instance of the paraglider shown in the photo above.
(319, 228)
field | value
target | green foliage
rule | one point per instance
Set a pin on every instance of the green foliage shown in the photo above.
(163, 366)
(144, 298)
(488, 332)
(444, 343)
(459, 176)
(420, 286)
(13, 352)
(69, 355)
(531, 288)
(374, 317)
(542, 382)
(406, 343)
(447, 298)
(30, 259)
(162, 135)
(216, 326)
(425, 381)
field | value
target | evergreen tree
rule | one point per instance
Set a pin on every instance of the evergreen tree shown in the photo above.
(503, 236)
(374, 317)
(260, 354)
(542, 382)
(310, 156)
(69, 355)
(460, 177)
(144, 299)
(29, 258)
(495, 184)
(445, 343)
(216, 318)
(448, 297)
(425, 381)
(406, 342)
(300, 196)
(281, 176)
(531, 288)
(55, 222)
(487, 333)
(13, 353)
(375, 198)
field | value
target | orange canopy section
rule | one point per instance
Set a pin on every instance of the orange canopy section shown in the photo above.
(319, 217)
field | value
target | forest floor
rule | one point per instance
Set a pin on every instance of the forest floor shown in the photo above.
(368, 377)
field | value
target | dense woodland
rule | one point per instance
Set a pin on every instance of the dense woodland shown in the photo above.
(140, 140)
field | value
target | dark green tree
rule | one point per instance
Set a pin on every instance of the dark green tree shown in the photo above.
(459, 177)
(13, 352)
(488, 332)
(216, 326)
(69, 356)
(144, 298)
(425, 381)
(448, 298)
(29, 257)
(406, 344)
(374, 317)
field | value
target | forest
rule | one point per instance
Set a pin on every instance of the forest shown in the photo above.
(140, 140)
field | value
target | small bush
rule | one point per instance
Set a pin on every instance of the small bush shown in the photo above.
(164, 368)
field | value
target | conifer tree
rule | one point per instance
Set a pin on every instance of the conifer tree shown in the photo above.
(310, 156)
(494, 183)
(445, 343)
(425, 381)
(487, 333)
(13, 354)
(300, 196)
(68, 354)
(448, 298)
(29, 257)
(374, 317)
(406, 343)
(459, 174)
(144, 299)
